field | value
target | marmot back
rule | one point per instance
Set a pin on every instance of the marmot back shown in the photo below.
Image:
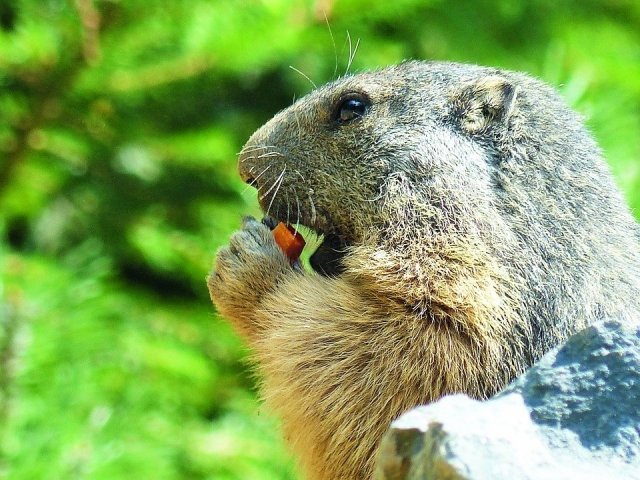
(469, 225)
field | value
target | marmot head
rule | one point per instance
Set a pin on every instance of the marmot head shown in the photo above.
(405, 155)
(353, 155)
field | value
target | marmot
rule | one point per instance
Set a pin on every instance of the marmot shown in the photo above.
(469, 224)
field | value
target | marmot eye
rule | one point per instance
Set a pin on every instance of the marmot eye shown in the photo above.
(351, 108)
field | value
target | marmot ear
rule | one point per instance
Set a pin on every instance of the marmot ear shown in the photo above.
(484, 101)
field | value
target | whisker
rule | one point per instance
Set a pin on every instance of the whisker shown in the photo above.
(246, 187)
(255, 148)
(279, 183)
(263, 172)
(274, 183)
(269, 155)
(255, 179)
(333, 42)
(298, 214)
(313, 209)
(287, 201)
(352, 54)
(300, 175)
(305, 76)
(349, 57)
(252, 148)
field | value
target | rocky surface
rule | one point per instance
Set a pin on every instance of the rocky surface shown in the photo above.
(575, 414)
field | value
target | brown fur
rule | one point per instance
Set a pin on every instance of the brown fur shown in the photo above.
(481, 228)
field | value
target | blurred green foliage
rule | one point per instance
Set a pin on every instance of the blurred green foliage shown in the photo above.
(119, 125)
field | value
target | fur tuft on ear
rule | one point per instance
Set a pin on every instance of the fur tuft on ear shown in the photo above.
(484, 102)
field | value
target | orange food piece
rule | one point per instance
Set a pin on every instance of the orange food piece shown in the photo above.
(289, 240)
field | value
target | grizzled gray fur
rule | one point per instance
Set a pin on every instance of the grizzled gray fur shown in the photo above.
(470, 224)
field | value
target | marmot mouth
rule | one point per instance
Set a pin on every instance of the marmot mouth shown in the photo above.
(327, 259)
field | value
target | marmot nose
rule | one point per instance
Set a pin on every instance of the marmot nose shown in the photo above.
(244, 168)
(249, 181)
(246, 177)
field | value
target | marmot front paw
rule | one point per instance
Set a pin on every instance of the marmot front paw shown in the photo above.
(250, 266)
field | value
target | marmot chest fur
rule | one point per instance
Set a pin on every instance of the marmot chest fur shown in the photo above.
(469, 224)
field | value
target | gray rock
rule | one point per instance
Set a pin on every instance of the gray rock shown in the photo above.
(575, 414)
